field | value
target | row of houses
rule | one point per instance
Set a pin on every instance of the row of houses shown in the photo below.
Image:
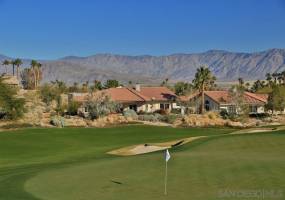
(151, 99)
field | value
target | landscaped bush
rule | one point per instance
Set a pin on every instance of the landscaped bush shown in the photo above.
(101, 105)
(150, 118)
(259, 115)
(212, 115)
(171, 118)
(57, 121)
(155, 117)
(72, 108)
(160, 117)
(141, 112)
(130, 114)
(176, 111)
(224, 114)
(162, 112)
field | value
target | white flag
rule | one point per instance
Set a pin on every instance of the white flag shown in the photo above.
(167, 155)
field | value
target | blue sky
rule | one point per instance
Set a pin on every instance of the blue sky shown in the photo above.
(49, 29)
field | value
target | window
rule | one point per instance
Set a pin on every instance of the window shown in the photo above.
(232, 109)
(85, 109)
(207, 105)
(253, 109)
(133, 107)
(166, 106)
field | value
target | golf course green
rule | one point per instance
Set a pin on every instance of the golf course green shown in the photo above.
(72, 164)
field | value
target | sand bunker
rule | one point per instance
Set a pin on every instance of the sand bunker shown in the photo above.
(151, 147)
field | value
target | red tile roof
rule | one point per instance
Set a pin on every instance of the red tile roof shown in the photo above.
(123, 95)
(187, 98)
(261, 97)
(224, 97)
(157, 93)
(145, 94)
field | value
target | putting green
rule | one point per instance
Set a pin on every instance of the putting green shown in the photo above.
(59, 164)
(204, 171)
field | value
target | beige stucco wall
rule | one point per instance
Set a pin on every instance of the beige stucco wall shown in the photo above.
(151, 107)
(260, 109)
(216, 107)
(213, 105)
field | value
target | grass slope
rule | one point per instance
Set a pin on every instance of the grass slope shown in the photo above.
(72, 164)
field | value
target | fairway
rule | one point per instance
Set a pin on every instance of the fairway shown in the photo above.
(71, 163)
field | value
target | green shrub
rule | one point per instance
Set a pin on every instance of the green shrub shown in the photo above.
(72, 108)
(176, 111)
(141, 112)
(161, 111)
(150, 118)
(57, 121)
(224, 114)
(11, 107)
(160, 117)
(131, 114)
(101, 105)
(171, 118)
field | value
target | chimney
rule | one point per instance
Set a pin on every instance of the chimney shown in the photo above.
(138, 87)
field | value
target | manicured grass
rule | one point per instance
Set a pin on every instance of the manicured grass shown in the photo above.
(72, 164)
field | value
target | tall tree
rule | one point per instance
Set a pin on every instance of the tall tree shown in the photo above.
(276, 99)
(34, 65)
(182, 88)
(27, 78)
(111, 84)
(275, 77)
(6, 63)
(241, 82)
(282, 74)
(165, 82)
(39, 73)
(269, 79)
(202, 81)
(18, 62)
(13, 66)
(74, 88)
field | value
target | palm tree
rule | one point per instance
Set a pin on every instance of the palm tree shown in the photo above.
(280, 78)
(241, 82)
(283, 77)
(39, 66)
(275, 76)
(6, 63)
(269, 79)
(203, 79)
(13, 65)
(34, 65)
(18, 62)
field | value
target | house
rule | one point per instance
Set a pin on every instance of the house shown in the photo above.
(222, 100)
(139, 99)
(144, 99)
(80, 98)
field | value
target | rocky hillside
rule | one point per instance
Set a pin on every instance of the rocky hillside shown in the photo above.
(227, 66)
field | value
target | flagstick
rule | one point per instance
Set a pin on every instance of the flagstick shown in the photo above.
(165, 179)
